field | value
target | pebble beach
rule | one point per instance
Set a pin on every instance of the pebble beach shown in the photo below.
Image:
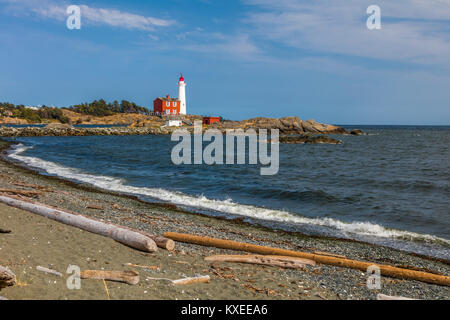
(38, 241)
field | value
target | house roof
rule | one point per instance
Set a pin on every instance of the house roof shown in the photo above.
(167, 99)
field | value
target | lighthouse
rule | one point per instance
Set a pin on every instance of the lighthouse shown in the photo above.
(182, 94)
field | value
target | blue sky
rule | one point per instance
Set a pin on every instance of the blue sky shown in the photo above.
(240, 58)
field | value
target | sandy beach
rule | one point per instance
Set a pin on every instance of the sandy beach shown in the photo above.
(38, 241)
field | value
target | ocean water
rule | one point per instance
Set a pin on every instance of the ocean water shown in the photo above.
(390, 187)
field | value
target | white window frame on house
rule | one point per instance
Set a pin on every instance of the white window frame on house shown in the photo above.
(174, 103)
(167, 103)
(168, 111)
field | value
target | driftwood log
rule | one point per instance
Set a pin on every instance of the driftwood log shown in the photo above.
(141, 266)
(328, 260)
(49, 271)
(199, 279)
(7, 277)
(162, 242)
(276, 261)
(130, 277)
(386, 297)
(123, 235)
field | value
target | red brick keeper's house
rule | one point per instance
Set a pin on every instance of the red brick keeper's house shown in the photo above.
(166, 106)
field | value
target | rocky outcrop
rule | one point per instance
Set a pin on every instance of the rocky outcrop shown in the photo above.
(71, 131)
(316, 127)
(357, 132)
(286, 125)
(308, 139)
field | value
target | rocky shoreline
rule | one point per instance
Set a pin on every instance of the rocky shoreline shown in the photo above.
(63, 130)
(286, 126)
(31, 244)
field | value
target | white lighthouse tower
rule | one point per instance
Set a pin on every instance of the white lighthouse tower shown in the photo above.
(182, 94)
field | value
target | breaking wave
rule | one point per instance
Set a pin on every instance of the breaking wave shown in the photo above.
(355, 230)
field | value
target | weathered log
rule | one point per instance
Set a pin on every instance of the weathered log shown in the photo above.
(276, 261)
(7, 277)
(386, 297)
(162, 242)
(129, 277)
(199, 279)
(26, 193)
(49, 271)
(328, 260)
(123, 235)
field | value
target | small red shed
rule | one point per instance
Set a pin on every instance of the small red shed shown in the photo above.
(210, 120)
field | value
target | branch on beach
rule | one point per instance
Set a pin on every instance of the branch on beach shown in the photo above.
(141, 266)
(386, 297)
(191, 280)
(49, 271)
(95, 207)
(184, 281)
(129, 277)
(26, 193)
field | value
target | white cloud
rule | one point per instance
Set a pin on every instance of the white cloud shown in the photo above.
(224, 45)
(89, 15)
(418, 9)
(118, 18)
(415, 32)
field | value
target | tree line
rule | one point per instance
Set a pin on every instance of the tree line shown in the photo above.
(99, 108)
(32, 115)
